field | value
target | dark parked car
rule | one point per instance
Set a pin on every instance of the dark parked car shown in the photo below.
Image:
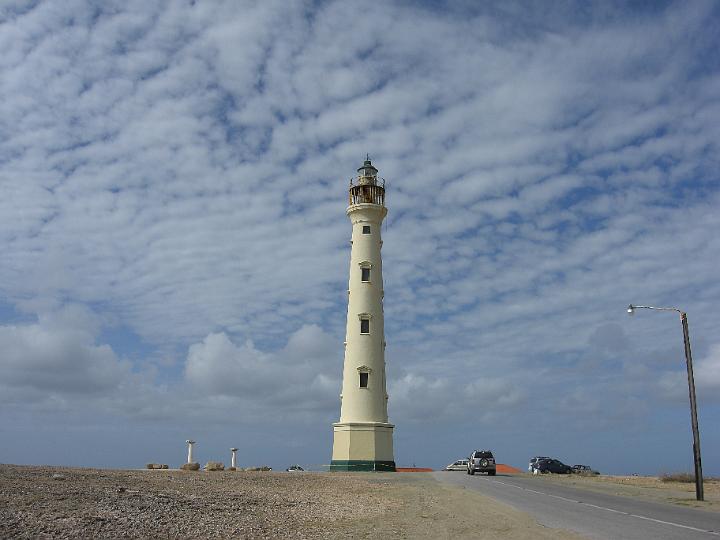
(552, 466)
(583, 469)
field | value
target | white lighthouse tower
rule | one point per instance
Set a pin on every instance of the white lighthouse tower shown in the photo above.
(363, 437)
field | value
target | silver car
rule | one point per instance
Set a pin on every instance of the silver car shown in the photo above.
(459, 465)
(481, 461)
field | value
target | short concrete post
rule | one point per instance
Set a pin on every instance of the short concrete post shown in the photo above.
(233, 459)
(190, 450)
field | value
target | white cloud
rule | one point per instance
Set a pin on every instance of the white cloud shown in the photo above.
(304, 375)
(708, 372)
(58, 356)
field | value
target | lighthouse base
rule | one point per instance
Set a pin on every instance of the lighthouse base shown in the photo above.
(362, 446)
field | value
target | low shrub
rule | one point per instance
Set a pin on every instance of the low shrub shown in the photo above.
(684, 477)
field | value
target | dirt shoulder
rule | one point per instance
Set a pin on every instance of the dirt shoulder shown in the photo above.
(646, 487)
(424, 508)
(51, 502)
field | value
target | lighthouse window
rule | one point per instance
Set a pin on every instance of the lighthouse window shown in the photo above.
(366, 229)
(365, 274)
(364, 380)
(364, 326)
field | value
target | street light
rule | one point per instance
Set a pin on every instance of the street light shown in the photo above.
(691, 387)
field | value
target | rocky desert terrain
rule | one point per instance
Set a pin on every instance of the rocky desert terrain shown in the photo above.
(51, 502)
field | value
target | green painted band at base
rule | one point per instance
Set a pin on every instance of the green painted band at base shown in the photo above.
(361, 465)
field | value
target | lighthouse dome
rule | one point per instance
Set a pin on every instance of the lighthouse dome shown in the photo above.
(367, 174)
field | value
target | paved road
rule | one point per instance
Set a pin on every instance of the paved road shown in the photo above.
(594, 515)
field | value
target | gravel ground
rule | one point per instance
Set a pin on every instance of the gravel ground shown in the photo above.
(52, 502)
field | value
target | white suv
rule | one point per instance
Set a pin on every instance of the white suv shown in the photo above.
(533, 462)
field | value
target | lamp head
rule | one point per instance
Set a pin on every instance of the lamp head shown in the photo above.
(631, 309)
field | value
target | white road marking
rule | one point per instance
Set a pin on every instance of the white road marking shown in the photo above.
(604, 508)
(610, 509)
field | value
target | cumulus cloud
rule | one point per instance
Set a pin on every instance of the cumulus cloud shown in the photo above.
(301, 376)
(706, 372)
(58, 355)
(418, 398)
(59, 358)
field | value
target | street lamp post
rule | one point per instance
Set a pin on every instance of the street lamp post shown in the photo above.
(691, 387)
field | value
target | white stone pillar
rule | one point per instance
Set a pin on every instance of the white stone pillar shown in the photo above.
(233, 458)
(190, 450)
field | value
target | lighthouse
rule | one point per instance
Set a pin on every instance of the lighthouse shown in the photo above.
(362, 439)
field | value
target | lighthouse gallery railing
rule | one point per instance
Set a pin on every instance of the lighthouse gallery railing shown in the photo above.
(363, 194)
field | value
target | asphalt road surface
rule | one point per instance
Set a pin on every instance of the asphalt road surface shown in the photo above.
(594, 515)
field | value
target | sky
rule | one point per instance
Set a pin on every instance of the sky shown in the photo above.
(174, 249)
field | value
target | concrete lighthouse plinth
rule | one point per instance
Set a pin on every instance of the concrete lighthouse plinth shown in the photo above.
(363, 438)
(363, 446)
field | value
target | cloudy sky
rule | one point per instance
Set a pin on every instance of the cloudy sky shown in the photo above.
(174, 247)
